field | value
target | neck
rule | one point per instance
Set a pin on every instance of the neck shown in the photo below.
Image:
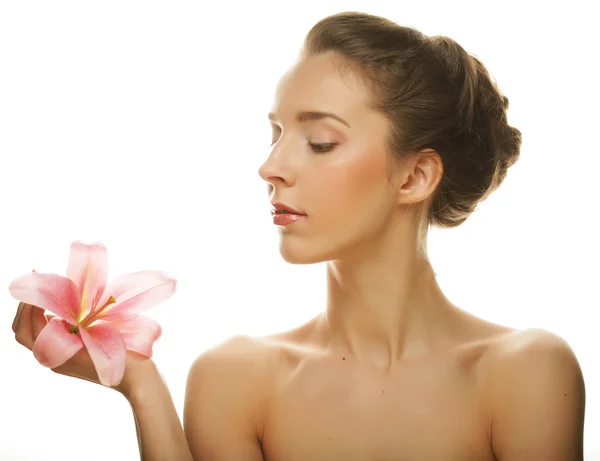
(385, 307)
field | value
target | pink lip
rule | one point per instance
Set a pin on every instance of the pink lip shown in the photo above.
(282, 206)
(286, 218)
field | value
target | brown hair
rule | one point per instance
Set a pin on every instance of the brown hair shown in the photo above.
(437, 96)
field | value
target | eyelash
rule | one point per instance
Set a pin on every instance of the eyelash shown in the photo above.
(328, 147)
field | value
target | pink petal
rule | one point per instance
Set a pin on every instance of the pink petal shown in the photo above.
(139, 333)
(136, 292)
(56, 343)
(107, 350)
(52, 292)
(88, 268)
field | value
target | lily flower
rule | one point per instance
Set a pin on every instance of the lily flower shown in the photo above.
(105, 318)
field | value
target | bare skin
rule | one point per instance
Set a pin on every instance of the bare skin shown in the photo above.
(391, 370)
(429, 405)
(292, 396)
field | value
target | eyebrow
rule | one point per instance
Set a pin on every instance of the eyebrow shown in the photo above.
(307, 115)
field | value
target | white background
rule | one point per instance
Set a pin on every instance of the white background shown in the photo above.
(142, 125)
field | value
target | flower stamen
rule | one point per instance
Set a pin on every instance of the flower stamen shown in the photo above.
(111, 300)
(95, 313)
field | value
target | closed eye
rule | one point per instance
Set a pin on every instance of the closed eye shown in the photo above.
(322, 148)
(318, 148)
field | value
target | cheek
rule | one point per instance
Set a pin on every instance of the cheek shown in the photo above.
(353, 186)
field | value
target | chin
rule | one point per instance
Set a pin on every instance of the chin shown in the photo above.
(302, 254)
(300, 258)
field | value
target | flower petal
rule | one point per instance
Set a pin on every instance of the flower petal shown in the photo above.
(88, 268)
(56, 344)
(52, 292)
(107, 350)
(139, 333)
(136, 292)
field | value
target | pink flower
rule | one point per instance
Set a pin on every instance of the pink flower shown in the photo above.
(104, 318)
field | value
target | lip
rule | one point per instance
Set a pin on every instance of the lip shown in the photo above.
(287, 218)
(278, 206)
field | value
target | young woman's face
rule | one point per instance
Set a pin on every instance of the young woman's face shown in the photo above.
(335, 173)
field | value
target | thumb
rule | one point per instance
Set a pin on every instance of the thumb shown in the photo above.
(38, 322)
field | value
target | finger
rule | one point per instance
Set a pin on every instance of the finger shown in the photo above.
(38, 322)
(23, 333)
(17, 318)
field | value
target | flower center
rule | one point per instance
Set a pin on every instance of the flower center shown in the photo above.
(95, 312)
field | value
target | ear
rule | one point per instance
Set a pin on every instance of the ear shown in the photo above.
(418, 176)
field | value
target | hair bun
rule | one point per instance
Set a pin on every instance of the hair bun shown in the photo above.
(437, 96)
(487, 142)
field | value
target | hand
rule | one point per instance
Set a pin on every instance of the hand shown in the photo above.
(29, 322)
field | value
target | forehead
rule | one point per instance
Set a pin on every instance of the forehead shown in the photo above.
(316, 83)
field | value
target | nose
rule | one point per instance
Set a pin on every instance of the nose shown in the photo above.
(275, 170)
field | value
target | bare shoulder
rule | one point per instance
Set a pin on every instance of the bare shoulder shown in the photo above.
(536, 396)
(238, 357)
(522, 355)
(521, 348)
(507, 353)
(224, 400)
(252, 360)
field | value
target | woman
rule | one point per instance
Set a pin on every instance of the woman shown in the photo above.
(378, 132)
